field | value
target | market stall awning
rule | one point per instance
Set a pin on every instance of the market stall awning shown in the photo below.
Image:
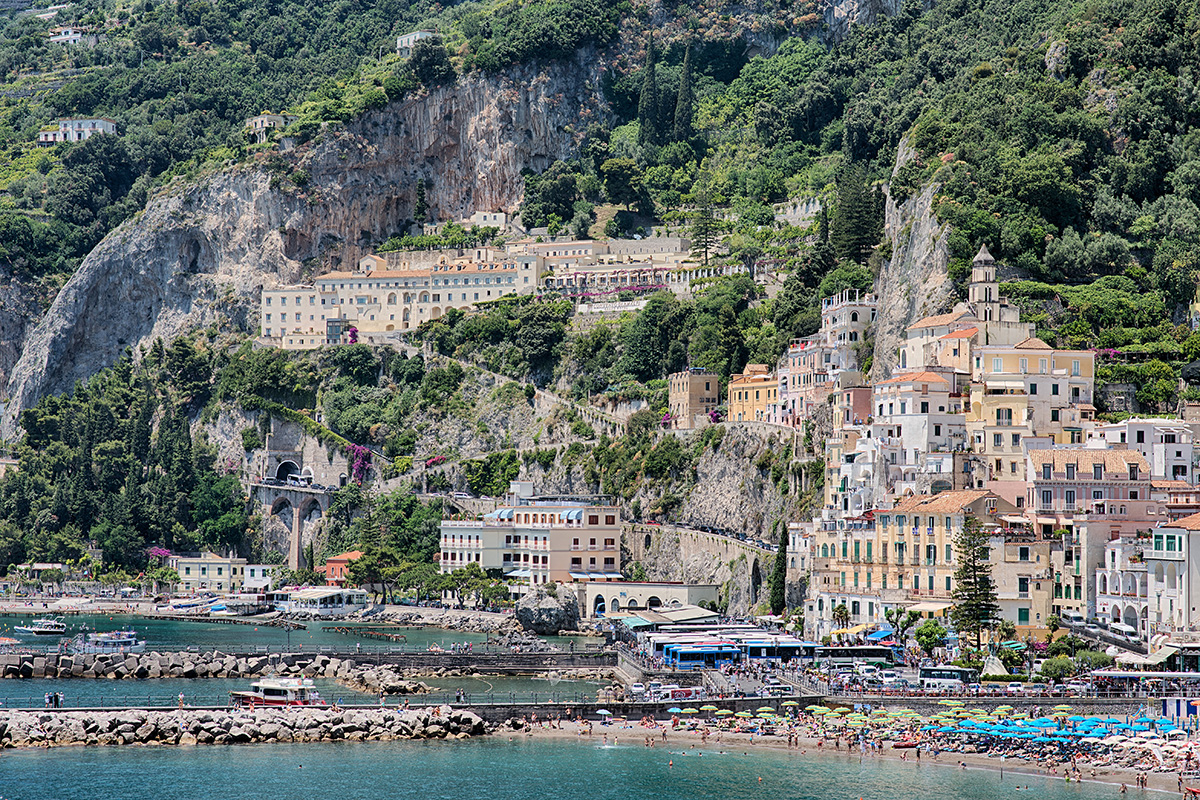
(1159, 656)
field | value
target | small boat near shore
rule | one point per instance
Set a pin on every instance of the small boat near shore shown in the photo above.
(278, 692)
(47, 626)
(108, 642)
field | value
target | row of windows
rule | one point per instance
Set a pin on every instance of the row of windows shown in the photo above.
(883, 579)
(1097, 472)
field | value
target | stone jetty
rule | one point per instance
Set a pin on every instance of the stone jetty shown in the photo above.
(213, 664)
(191, 727)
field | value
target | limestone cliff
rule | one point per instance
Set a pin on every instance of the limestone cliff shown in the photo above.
(20, 306)
(200, 253)
(914, 282)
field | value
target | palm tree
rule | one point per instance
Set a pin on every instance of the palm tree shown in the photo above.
(841, 615)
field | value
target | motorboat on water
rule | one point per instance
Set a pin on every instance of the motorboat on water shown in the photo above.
(279, 692)
(107, 642)
(46, 626)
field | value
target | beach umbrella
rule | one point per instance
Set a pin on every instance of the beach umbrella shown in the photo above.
(1042, 739)
(788, 703)
(724, 712)
(1062, 707)
(815, 708)
(604, 712)
(708, 708)
(948, 730)
(691, 711)
(929, 728)
(767, 709)
(743, 715)
(1077, 718)
(951, 703)
(675, 710)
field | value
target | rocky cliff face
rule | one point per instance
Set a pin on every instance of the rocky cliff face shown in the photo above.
(914, 283)
(201, 253)
(19, 309)
(840, 15)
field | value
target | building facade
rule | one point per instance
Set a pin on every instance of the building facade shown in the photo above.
(208, 572)
(72, 129)
(691, 396)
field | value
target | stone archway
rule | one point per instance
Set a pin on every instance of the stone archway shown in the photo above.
(653, 602)
(755, 581)
(598, 607)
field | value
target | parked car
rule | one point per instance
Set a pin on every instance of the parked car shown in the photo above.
(1014, 687)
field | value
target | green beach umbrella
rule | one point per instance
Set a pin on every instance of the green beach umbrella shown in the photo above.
(790, 703)
(768, 709)
(708, 708)
(744, 714)
(724, 712)
(691, 711)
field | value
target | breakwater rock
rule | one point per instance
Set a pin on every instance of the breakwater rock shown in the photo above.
(385, 679)
(213, 664)
(190, 727)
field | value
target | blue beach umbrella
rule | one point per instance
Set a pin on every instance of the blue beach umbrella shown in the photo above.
(675, 710)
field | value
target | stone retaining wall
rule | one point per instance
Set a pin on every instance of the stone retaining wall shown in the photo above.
(189, 727)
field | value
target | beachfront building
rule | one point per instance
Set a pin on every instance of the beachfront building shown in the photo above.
(534, 541)
(1122, 587)
(76, 129)
(1167, 445)
(691, 396)
(337, 568)
(259, 577)
(322, 601)
(206, 571)
(1172, 554)
(600, 598)
(751, 393)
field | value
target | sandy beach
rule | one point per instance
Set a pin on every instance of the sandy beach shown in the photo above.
(678, 741)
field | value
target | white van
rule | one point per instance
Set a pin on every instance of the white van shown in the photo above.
(1072, 619)
(1129, 633)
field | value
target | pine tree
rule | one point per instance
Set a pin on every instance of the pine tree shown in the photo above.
(684, 101)
(421, 207)
(975, 606)
(856, 225)
(648, 108)
(779, 577)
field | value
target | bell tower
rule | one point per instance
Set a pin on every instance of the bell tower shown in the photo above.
(984, 292)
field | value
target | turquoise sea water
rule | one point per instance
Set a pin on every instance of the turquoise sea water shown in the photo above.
(486, 769)
(94, 693)
(171, 635)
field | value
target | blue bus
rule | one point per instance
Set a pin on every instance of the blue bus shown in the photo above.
(701, 655)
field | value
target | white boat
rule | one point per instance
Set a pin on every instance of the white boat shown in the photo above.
(279, 692)
(43, 627)
(108, 642)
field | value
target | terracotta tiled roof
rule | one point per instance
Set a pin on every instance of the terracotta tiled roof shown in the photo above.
(1084, 458)
(1191, 523)
(943, 503)
(938, 320)
(1178, 486)
(1032, 343)
(916, 377)
(350, 555)
(965, 333)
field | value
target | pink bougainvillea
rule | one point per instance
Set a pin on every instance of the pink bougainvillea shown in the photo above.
(360, 462)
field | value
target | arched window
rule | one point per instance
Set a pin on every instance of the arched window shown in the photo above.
(391, 298)
(854, 316)
(824, 551)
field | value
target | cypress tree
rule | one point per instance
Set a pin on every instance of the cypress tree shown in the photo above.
(853, 230)
(684, 100)
(779, 577)
(648, 110)
(421, 207)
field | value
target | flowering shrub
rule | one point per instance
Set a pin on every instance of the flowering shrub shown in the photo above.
(433, 462)
(360, 458)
